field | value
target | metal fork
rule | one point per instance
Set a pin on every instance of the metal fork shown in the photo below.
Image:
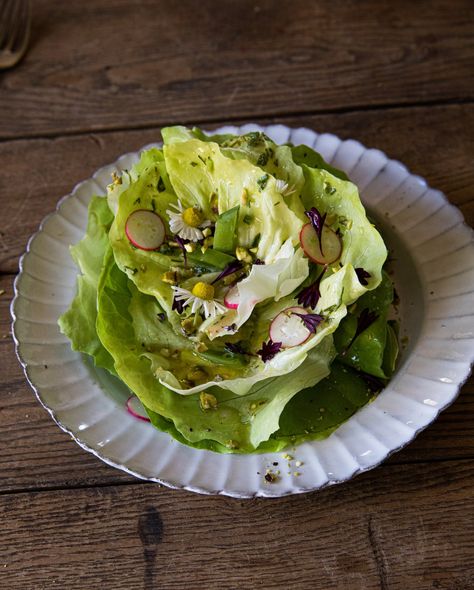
(15, 26)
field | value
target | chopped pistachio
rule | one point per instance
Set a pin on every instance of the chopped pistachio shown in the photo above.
(116, 179)
(190, 247)
(207, 232)
(165, 352)
(188, 325)
(298, 463)
(232, 444)
(196, 374)
(170, 277)
(271, 477)
(201, 347)
(243, 254)
(208, 401)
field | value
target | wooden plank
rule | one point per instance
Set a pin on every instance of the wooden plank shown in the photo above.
(129, 63)
(36, 454)
(400, 528)
(435, 142)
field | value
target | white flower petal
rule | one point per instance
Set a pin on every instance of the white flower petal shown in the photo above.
(283, 188)
(193, 234)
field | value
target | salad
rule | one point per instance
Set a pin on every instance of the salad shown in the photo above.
(236, 287)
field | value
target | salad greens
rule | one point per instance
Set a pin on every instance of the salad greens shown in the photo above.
(237, 288)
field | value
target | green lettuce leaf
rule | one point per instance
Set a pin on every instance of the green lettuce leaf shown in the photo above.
(375, 349)
(302, 154)
(239, 423)
(78, 323)
(316, 412)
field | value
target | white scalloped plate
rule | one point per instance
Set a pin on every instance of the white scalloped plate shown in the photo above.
(433, 251)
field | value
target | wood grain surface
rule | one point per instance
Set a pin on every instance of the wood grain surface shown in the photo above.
(103, 64)
(405, 529)
(100, 79)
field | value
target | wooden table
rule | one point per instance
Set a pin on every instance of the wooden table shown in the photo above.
(100, 79)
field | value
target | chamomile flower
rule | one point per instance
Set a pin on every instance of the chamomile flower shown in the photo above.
(201, 296)
(187, 223)
(283, 188)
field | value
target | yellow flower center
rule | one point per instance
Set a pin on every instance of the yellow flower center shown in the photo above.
(192, 216)
(203, 291)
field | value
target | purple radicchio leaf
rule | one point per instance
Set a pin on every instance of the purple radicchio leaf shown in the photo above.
(362, 275)
(234, 348)
(364, 321)
(177, 305)
(269, 350)
(317, 221)
(232, 267)
(181, 242)
(311, 321)
(310, 295)
(258, 261)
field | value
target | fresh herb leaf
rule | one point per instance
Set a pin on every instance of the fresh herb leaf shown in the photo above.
(262, 181)
(161, 185)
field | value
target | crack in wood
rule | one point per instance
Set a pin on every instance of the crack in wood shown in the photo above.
(379, 557)
(150, 530)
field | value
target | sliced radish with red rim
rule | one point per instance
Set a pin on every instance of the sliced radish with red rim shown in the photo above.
(145, 229)
(288, 328)
(330, 241)
(136, 409)
(231, 298)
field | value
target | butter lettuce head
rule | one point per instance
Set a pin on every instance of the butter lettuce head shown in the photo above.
(124, 314)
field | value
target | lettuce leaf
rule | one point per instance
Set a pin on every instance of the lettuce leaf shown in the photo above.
(239, 423)
(122, 314)
(78, 322)
(374, 350)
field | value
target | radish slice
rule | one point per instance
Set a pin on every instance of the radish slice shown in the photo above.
(231, 298)
(135, 408)
(331, 242)
(145, 229)
(288, 328)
